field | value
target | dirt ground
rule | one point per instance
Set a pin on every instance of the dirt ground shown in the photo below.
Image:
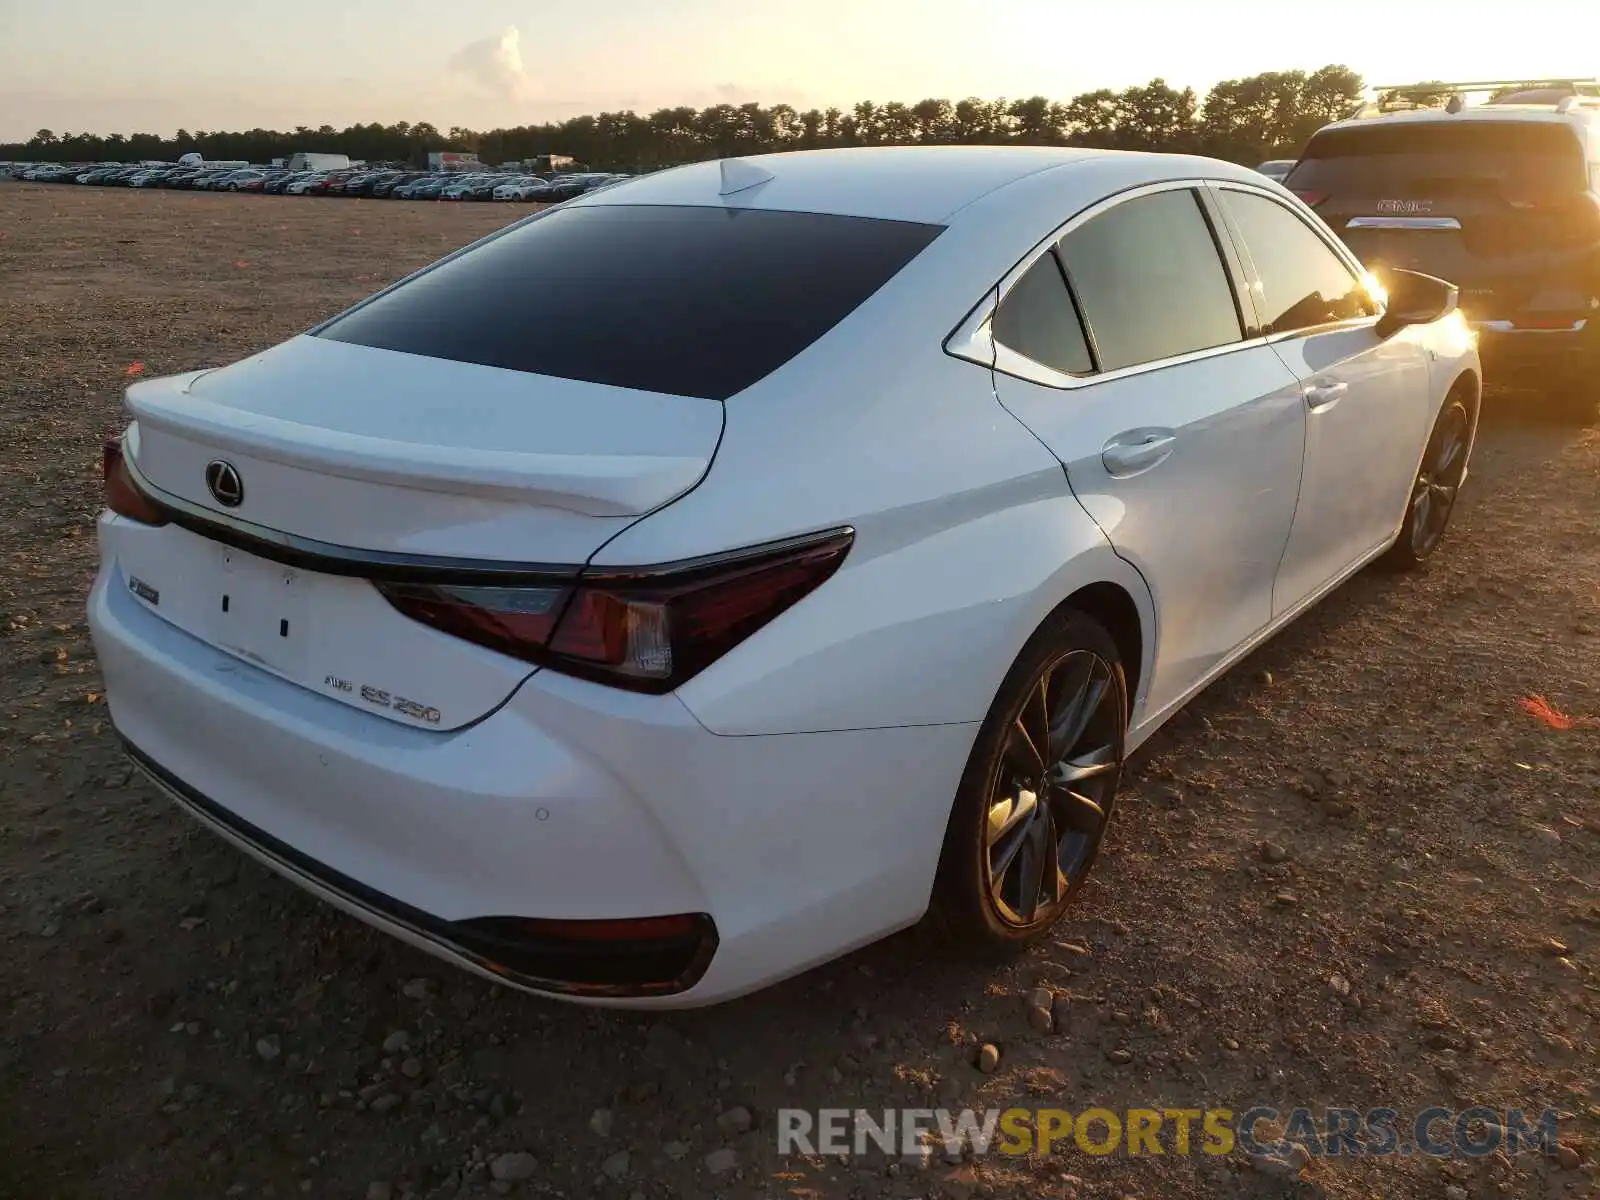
(175, 1021)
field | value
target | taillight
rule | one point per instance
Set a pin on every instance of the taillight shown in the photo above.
(122, 496)
(1581, 226)
(1311, 198)
(648, 630)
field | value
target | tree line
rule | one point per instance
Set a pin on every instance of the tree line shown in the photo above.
(1270, 115)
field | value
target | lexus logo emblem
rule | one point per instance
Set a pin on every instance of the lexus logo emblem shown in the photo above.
(224, 483)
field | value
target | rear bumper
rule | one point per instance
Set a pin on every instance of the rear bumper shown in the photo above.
(569, 802)
(540, 964)
(1505, 345)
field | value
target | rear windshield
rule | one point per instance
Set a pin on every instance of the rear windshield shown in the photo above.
(688, 301)
(1403, 160)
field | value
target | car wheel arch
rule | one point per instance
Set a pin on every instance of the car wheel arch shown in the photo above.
(1470, 388)
(1110, 590)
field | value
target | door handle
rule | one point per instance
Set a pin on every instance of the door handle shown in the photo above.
(1320, 396)
(1131, 453)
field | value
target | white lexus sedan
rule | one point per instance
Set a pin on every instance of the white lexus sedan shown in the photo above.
(807, 558)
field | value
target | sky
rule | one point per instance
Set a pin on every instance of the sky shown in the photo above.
(107, 66)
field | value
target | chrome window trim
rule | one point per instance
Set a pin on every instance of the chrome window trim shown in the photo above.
(1326, 327)
(974, 341)
(1402, 223)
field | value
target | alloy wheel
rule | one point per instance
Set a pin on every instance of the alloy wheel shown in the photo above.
(1434, 494)
(1051, 794)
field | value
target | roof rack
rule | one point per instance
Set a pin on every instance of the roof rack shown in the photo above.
(1452, 96)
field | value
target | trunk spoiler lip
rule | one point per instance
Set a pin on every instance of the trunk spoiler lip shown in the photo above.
(329, 558)
(596, 485)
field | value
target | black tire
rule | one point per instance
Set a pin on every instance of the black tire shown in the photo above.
(988, 911)
(1437, 485)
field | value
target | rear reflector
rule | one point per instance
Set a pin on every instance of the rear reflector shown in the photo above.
(122, 497)
(637, 956)
(649, 629)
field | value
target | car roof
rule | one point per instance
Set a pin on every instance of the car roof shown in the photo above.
(906, 183)
(1493, 113)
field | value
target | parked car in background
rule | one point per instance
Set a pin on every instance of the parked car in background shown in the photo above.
(473, 187)
(341, 180)
(1145, 409)
(1276, 168)
(567, 186)
(321, 185)
(1501, 198)
(259, 182)
(367, 183)
(385, 187)
(305, 184)
(426, 188)
(235, 180)
(528, 187)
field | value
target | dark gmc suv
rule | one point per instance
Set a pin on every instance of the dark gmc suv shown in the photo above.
(1503, 200)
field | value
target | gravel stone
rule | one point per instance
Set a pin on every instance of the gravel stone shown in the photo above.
(735, 1120)
(514, 1166)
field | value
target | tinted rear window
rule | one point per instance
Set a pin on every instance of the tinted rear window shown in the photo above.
(688, 301)
(1400, 160)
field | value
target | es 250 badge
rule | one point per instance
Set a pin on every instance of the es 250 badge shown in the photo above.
(416, 710)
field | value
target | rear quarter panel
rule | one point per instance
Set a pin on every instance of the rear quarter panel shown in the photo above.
(967, 536)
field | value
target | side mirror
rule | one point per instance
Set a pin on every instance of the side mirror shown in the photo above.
(1415, 299)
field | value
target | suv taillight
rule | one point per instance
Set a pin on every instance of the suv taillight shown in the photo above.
(1586, 223)
(648, 630)
(122, 497)
(1312, 199)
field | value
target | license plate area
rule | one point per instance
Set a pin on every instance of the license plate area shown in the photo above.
(258, 610)
(332, 635)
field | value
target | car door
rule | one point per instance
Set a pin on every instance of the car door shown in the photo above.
(1125, 348)
(1365, 396)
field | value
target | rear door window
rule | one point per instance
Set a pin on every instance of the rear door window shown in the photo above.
(1150, 279)
(1037, 319)
(1303, 282)
(684, 300)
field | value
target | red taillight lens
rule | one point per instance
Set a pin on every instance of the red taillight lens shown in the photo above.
(1581, 223)
(514, 620)
(645, 630)
(1311, 198)
(122, 497)
(628, 929)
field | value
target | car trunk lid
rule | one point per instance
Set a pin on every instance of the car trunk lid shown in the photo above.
(342, 467)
